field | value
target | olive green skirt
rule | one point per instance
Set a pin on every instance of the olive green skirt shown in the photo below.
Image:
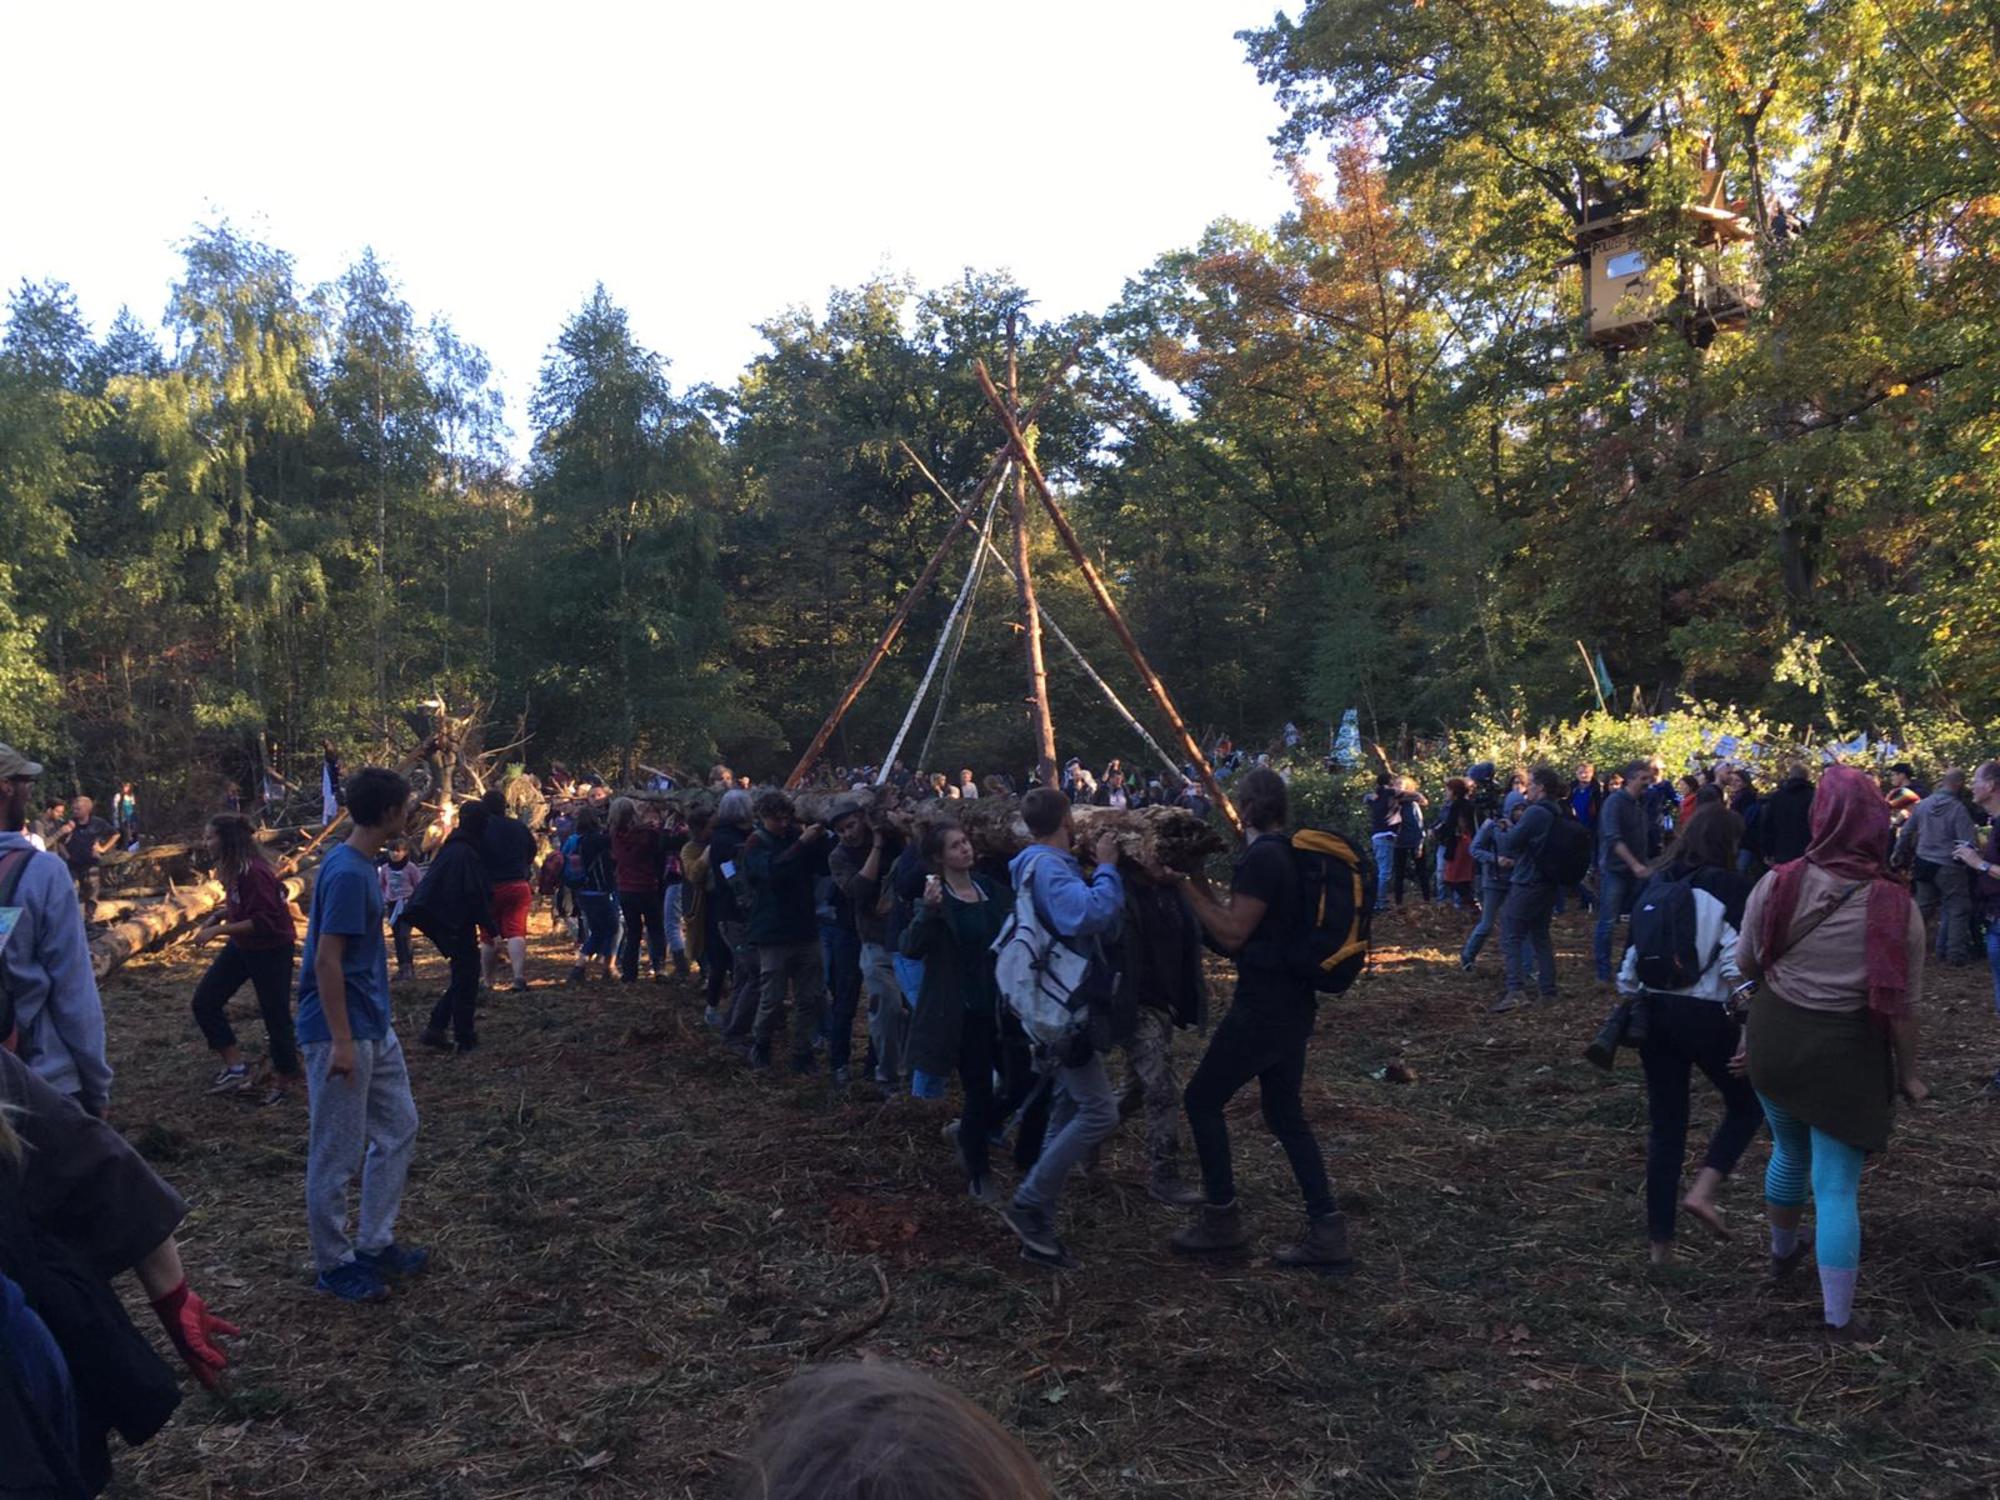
(1830, 1069)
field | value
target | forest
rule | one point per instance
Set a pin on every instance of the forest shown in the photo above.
(1365, 457)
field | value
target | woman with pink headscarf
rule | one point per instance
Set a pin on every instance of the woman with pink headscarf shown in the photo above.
(1832, 1035)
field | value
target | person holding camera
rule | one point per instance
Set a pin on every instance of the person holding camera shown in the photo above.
(1684, 1023)
(1832, 1036)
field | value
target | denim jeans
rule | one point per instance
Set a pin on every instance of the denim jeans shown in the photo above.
(1385, 868)
(1947, 894)
(1493, 898)
(1524, 925)
(1089, 1114)
(1682, 1034)
(598, 911)
(1993, 962)
(1615, 885)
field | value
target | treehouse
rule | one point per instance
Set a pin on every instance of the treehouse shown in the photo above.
(1630, 285)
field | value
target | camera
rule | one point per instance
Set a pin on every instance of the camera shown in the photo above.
(1624, 1027)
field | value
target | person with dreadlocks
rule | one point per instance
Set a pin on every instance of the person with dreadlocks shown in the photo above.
(1838, 946)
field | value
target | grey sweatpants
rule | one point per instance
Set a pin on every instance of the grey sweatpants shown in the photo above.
(801, 968)
(367, 1122)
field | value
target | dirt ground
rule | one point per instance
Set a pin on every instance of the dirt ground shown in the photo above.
(636, 1242)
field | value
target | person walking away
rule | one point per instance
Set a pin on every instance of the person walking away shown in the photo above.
(784, 861)
(1833, 1035)
(1689, 1025)
(1784, 827)
(859, 865)
(1455, 832)
(49, 1006)
(454, 901)
(1621, 862)
(592, 881)
(361, 1116)
(725, 876)
(1163, 990)
(400, 877)
(89, 839)
(1940, 826)
(635, 850)
(1263, 1036)
(1409, 829)
(507, 851)
(958, 1025)
(1085, 914)
(1531, 894)
(260, 941)
(1383, 817)
(1985, 876)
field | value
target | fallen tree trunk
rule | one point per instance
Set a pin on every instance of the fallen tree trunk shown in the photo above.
(158, 923)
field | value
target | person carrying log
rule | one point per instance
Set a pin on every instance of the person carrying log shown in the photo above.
(260, 941)
(50, 1012)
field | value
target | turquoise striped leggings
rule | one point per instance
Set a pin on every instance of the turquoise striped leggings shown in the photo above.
(1800, 1151)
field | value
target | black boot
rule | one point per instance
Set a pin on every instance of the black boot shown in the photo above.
(1215, 1231)
(1322, 1248)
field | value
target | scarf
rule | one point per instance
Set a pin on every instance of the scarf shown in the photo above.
(1850, 840)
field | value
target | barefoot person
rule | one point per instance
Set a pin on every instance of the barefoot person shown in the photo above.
(1689, 1026)
(1832, 1037)
(1263, 1036)
(260, 941)
(362, 1118)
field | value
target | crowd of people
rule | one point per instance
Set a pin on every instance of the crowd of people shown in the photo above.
(1769, 940)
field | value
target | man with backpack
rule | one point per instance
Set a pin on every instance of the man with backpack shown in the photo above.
(1531, 849)
(1263, 1036)
(48, 993)
(1081, 914)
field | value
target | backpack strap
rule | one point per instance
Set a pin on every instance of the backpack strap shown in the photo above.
(13, 865)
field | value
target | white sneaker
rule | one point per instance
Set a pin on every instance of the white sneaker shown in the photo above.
(230, 1080)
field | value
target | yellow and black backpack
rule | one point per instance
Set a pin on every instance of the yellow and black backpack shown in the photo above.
(1336, 906)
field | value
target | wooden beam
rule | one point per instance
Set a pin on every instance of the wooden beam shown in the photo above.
(960, 523)
(1103, 596)
(1024, 582)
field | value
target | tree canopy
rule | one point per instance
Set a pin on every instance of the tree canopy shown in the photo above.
(1364, 457)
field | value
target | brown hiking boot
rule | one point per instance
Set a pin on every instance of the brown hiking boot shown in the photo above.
(1322, 1248)
(1214, 1232)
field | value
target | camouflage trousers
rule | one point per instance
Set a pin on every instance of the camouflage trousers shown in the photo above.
(1150, 1085)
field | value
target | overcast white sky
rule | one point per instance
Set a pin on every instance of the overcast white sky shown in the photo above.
(710, 164)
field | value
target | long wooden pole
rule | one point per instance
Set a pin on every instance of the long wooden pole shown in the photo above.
(1105, 602)
(1024, 580)
(1049, 624)
(962, 522)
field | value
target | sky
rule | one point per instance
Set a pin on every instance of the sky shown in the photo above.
(711, 165)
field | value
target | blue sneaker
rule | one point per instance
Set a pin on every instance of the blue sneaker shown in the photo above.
(351, 1282)
(394, 1262)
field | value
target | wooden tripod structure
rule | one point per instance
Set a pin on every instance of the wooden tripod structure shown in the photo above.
(1017, 454)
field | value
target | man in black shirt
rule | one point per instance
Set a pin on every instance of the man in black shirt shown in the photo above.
(1263, 1037)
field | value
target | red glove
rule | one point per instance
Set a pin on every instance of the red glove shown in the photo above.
(193, 1328)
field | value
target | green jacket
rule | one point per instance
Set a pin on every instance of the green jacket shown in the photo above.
(955, 945)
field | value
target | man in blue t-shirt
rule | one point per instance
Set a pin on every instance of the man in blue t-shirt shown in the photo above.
(362, 1117)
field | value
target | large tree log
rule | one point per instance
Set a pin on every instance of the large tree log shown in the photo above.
(158, 923)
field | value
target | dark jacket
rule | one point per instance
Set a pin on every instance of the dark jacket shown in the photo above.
(864, 897)
(455, 896)
(783, 871)
(508, 850)
(955, 946)
(1784, 828)
(82, 1207)
(1162, 947)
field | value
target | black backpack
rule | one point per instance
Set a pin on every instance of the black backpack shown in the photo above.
(1336, 908)
(1568, 849)
(1664, 925)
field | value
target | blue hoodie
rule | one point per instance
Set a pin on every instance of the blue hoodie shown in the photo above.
(1072, 906)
